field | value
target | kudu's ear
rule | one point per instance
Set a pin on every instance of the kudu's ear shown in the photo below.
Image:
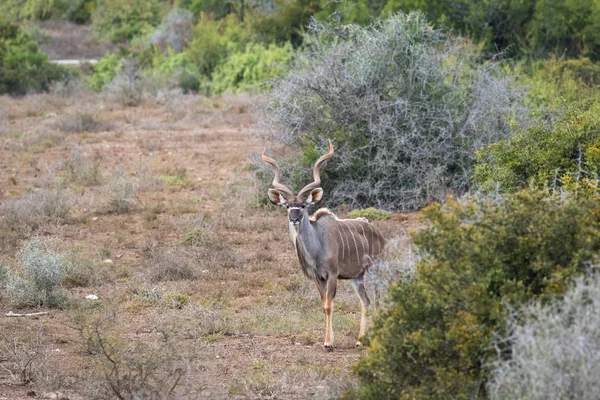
(276, 197)
(314, 196)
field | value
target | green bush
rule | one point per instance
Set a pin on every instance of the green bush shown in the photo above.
(567, 26)
(256, 66)
(479, 259)
(32, 9)
(213, 41)
(555, 82)
(23, 68)
(287, 23)
(537, 27)
(120, 21)
(371, 213)
(104, 71)
(78, 11)
(560, 153)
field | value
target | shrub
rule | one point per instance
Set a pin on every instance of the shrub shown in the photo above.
(175, 31)
(398, 263)
(120, 21)
(23, 68)
(81, 122)
(405, 106)
(567, 26)
(371, 213)
(479, 258)
(24, 356)
(288, 21)
(213, 41)
(196, 232)
(170, 265)
(135, 369)
(250, 69)
(81, 168)
(535, 27)
(40, 207)
(127, 86)
(121, 193)
(549, 154)
(37, 280)
(554, 349)
(104, 71)
(556, 82)
(32, 9)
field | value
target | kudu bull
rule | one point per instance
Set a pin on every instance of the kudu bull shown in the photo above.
(328, 248)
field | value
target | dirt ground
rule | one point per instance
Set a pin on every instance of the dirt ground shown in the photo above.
(198, 287)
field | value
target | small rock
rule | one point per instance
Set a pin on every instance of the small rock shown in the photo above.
(95, 219)
(107, 261)
(91, 297)
(51, 115)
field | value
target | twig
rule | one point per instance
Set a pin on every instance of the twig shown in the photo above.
(12, 314)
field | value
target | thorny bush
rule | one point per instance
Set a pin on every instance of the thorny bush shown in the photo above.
(405, 105)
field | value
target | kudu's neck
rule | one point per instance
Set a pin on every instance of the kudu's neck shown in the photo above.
(309, 234)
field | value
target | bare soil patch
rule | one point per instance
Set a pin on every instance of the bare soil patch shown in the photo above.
(231, 316)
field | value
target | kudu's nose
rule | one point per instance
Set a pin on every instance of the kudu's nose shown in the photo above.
(294, 220)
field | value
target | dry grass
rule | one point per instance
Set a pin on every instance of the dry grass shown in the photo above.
(47, 205)
(82, 122)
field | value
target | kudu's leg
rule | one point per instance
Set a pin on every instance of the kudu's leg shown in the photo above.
(359, 288)
(327, 288)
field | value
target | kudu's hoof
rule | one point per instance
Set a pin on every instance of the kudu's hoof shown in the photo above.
(328, 348)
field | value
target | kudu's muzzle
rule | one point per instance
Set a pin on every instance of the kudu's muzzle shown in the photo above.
(295, 215)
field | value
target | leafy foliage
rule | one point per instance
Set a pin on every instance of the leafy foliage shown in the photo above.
(213, 41)
(104, 71)
(537, 27)
(546, 342)
(478, 258)
(78, 11)
(549, 154)
(405, 106)
(23, 68)
(120, 21)
(250, 69)
(555, 82)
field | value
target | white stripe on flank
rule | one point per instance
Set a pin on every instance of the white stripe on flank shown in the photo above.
(372, 244)
(355, 245)
(364, 237)
(342, 239)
